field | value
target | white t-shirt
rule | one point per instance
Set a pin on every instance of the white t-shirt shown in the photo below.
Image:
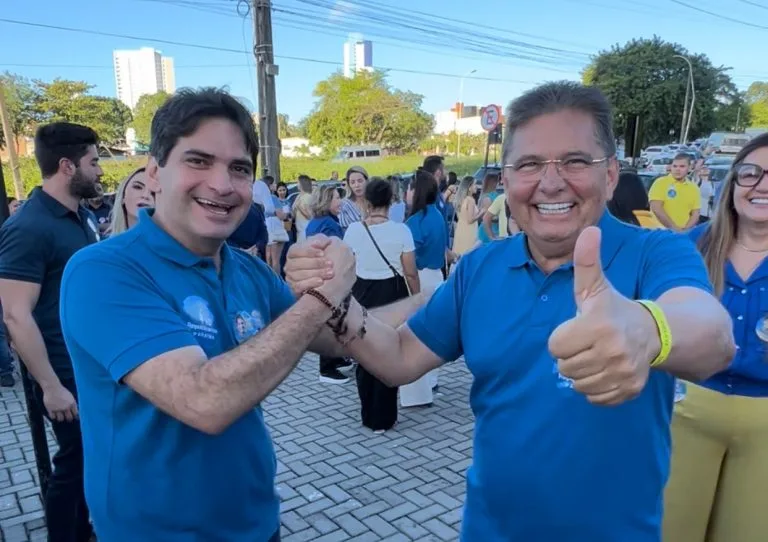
(263, 196)
(393, 239)
(707, 190)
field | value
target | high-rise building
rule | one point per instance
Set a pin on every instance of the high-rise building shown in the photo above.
(142, 71)
(358, 55)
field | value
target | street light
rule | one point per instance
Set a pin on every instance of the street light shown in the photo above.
(460, 110)
(689, 87)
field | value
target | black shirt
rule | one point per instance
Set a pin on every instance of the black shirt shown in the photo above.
(35, 245)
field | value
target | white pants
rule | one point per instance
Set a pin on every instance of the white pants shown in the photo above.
(420, 392)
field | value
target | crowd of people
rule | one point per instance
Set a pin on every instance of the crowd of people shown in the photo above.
(153, 335)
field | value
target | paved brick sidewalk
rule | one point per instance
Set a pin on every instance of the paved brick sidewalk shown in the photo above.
(337, 480)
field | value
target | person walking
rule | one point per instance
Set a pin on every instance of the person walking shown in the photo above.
(468, 215)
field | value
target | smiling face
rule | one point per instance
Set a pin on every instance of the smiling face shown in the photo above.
(751, 203)
(137, 196)
(204, 190)
(552, 208)
(282, 192)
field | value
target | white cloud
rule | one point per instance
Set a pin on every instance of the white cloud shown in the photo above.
(340, 9)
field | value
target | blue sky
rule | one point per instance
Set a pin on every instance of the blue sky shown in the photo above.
(574, 28)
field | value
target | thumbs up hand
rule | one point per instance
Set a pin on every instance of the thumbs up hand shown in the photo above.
(606, 349)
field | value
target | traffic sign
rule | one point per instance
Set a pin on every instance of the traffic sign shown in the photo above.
(490, 117)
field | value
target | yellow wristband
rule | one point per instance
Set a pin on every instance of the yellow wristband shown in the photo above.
(665, 333)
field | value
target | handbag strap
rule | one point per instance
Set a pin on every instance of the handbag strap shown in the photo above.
(375, 244)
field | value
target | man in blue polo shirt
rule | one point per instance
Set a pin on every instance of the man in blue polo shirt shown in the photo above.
(552, 462)
(191, 336)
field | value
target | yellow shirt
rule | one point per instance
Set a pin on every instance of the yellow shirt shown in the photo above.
(679, 198)
(497, 209)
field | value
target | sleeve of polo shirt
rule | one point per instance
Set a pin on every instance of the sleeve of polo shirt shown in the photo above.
(416, 233)
(671, 260)
(23, 253)
(437, 323)
(657, 191)
(116, 315)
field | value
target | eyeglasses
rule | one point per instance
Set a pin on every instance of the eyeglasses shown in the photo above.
(749, 175)
(571, 166)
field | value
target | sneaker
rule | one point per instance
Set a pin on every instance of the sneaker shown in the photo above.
(7, 381)
(334, 377)
(346, 367)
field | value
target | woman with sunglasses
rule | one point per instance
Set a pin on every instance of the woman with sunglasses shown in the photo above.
(719, 471)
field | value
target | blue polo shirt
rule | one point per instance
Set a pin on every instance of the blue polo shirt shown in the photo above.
(328, 225)
(148, 476)
(548, 465)
(430, 236)
(747, 303)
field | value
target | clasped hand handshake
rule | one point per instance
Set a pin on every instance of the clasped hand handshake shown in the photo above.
(607, 348)
(323, 263)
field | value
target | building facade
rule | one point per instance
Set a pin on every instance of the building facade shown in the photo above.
(358, 55)
(142, 71)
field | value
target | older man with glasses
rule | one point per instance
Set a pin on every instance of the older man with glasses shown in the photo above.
(574, 381)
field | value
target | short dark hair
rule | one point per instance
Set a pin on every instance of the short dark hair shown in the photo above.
(181, 115)
(560, 96)
(433, 163)
(378, 193)
(269, 179)
(424, 191)
(59, 140)
(682, 156)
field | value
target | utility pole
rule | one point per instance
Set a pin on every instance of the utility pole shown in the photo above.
(10, 143)
(266, 71)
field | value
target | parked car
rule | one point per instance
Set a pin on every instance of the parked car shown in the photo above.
(725, 143)
(659, 165)
(652, 152)
(718, 165)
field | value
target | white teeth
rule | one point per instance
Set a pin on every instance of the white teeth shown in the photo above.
(759, 201)
(554, 208)
(212, 206)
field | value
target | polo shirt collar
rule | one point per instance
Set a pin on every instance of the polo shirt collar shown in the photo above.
(56, 208)
(165, 246)
(612, 238)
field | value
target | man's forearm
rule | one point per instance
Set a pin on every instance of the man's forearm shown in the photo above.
(487, 225)
(390, 316)
(702, 334)
(234, 382)
(29, 344)
(663, 217)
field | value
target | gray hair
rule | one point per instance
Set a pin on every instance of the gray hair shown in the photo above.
(558, 96)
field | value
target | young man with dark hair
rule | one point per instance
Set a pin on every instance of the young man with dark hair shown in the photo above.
(676, 200)
(35, 245)
(191, 337)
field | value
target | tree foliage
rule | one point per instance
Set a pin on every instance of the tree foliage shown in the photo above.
(757, 99)
(646, 78)
(20, 96)
(70, 101)
(365, 110)
(145, 110)
(285, 128)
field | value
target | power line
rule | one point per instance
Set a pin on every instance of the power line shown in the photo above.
(718, 16)
(750, 3)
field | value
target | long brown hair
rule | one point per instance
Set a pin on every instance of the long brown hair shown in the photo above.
(716, 242)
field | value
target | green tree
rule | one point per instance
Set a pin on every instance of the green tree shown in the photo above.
(145, 110)
(757, 99)
(365, 110)
(285, 128)
(20, 98)
(70, 101)
(644, 77)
